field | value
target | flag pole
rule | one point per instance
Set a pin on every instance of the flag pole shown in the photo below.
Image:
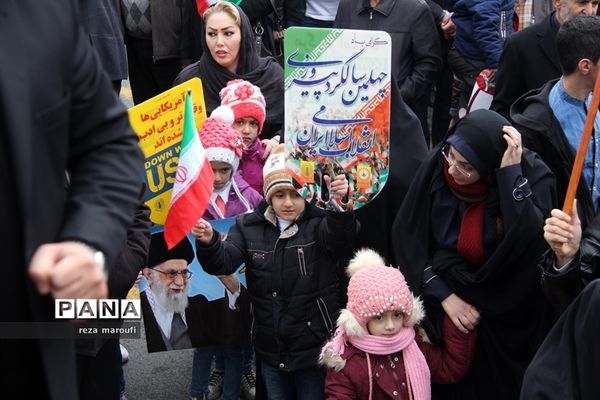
(582, 149)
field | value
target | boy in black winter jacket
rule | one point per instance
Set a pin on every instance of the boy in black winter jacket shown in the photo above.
(291, 251)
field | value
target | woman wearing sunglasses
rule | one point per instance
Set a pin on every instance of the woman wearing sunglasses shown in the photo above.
(468, 237)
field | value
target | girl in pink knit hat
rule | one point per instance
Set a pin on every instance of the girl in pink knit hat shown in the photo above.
(224, 148)
(377, 351)
(231, 197)
(248, 105)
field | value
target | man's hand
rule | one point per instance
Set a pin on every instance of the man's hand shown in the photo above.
(490, 73)
(563, 234)
(463, 315)
(68, 270)
(448, 26)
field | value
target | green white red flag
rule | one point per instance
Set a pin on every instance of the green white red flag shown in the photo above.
(202, 5)
(193, 181)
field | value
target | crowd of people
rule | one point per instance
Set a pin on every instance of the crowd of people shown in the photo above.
(490, 293)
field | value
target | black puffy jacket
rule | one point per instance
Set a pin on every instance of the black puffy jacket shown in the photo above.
(292, 278)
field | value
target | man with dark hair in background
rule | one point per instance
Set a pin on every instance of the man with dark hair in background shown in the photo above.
(530, 58)
(551, 118)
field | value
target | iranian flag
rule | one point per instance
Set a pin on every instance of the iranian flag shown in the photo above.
(202, 5)
(193, 181)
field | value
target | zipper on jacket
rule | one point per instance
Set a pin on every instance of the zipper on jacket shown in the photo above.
(394, 374)
(302, 262)
(324, 314)
(371, 15)
(252, 323)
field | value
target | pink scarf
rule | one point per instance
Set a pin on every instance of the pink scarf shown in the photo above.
(418, 376)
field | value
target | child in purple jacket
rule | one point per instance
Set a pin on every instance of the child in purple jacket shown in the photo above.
(248, 105)
(231, 196)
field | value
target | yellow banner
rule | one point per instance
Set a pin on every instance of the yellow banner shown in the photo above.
(158, 122)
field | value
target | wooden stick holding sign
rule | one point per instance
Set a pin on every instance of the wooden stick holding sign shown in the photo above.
(583, 145)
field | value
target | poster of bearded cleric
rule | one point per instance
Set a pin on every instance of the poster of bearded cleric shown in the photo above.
(182, 305)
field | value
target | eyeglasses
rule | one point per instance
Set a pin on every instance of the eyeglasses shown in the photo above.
(460, 167)
(172, 274)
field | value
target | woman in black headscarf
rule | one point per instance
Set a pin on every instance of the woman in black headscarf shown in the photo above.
(468, 237)
(231, 54)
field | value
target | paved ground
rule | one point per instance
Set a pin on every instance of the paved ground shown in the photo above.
(126, 94)
(156, 376)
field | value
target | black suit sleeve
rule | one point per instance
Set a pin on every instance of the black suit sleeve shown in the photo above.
(436, 11)
(104, 160)
(223, 257)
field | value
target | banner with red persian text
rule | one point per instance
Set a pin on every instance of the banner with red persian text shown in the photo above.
(337, 112)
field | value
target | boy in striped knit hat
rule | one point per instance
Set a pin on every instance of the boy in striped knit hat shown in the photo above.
(291, 251)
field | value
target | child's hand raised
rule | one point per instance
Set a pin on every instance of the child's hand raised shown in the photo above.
(339, 186)
(202, 231)
(269, 144)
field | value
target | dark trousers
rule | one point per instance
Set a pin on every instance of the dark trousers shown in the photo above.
(148, 77)
(421, 108)
(440, 119)
(21, 372)
(309, 22)
(99, 377)
(21, 369)
(466, 72)
(303, 384)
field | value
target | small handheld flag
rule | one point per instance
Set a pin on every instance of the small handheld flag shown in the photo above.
(193, 181)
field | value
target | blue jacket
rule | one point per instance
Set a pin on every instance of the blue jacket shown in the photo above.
(481, 28)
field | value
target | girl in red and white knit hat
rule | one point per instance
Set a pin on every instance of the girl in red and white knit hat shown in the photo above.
(378, 352)
(249, 109)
